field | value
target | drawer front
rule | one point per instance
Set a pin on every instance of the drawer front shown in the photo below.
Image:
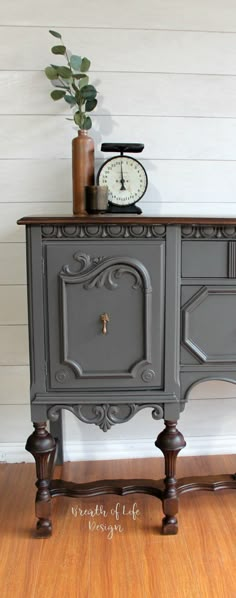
(207, 259)
(125, 281)
(208, 324)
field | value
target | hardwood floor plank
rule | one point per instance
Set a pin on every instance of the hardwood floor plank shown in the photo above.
(123, 573)
(68, 549)
(19, 555)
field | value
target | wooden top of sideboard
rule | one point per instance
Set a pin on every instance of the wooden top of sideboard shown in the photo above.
(121, 219)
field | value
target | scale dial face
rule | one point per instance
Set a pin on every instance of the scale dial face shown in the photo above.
(125, 178)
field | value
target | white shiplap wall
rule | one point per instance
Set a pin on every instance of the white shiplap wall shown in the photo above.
(166, 74)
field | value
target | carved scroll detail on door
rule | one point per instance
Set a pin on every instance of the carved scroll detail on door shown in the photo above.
(102, 271)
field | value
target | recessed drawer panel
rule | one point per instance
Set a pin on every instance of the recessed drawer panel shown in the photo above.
(105, 306)
(206, 259)
(208, 317)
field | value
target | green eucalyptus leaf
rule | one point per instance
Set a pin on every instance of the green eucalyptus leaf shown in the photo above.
(80, 76)
(55, 33)
(83, 81)
(70, 100)
(75, 62)
(79, 118)
(80, 101)
(58, 50)
(50, 72)
(90, 105)
(57, 94)
(85, 64)
(88, 92)
(87, 123)
(64, 72)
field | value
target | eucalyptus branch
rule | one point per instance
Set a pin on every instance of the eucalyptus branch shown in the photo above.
(83, 99)
(63, 84)
(66, 54)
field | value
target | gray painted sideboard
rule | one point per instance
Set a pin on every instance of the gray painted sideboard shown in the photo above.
(126, 314)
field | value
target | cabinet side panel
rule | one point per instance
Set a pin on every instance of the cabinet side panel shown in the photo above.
(35, 309)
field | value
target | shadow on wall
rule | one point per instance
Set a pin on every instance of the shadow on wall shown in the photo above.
(210, 412)
(212, 389)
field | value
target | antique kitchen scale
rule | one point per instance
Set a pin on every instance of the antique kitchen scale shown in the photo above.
(125, 177)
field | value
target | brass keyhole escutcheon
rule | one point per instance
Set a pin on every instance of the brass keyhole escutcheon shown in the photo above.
(104, 318)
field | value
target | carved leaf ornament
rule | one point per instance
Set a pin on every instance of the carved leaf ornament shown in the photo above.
(101, 271)
(105, 416)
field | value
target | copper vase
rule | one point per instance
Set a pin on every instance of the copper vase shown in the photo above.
(82, 169)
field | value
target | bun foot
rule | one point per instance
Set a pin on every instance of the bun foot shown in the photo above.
(169, 526)
(44, 528)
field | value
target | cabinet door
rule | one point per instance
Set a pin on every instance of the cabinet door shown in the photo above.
(208, 324)
(125, 282)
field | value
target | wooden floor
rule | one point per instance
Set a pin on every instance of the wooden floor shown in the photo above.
(129, 559)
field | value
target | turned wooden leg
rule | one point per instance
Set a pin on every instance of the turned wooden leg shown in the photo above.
(42, 446)
(170, 441)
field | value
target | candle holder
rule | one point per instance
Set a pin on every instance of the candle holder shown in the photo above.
(96, 199)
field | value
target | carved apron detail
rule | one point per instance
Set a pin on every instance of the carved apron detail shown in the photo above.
(105, 416)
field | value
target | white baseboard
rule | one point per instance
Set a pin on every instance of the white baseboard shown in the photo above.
(14, 452)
